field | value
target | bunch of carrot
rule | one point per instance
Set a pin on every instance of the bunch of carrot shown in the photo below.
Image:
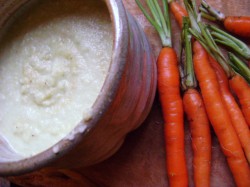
(212, 101)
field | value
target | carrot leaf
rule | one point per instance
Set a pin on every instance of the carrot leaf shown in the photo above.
(154, 12)
(192, 13)
(207, 9)
(160, 20)
(207, 16)
(203, 35)
(189, 74)
(239, 66)
(230, 41)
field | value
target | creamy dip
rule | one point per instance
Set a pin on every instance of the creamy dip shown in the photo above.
(53, 63)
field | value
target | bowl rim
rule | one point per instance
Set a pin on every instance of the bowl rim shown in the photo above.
(118, 60)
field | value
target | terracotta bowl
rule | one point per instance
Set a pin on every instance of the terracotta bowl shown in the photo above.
(123, 104)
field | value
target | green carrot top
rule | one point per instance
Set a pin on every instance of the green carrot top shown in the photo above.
(188, 75)
(159, 19)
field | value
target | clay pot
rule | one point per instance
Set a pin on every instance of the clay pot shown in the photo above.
(123, 104)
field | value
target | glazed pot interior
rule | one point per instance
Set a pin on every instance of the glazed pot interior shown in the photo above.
(12, 164)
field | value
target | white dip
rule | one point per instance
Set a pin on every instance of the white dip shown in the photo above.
(53, 62)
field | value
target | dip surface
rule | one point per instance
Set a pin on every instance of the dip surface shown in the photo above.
(53, 63)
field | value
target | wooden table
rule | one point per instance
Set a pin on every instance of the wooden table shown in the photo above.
(141, 160)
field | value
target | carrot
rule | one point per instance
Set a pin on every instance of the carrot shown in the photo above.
(196, 115)
(215, 106)
(178, 11)
(236, 81)
(219, 117)
(172, 109)
(239, 25)
(201, 137)
(169, 92)
(242, 91)
(236, 116)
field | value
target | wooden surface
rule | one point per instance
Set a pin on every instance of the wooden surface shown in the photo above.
(141, 160)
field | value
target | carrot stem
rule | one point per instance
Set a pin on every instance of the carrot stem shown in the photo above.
(161, 24)
(230, 41)
(240, 66)
(209, 41)
(192, 13)
(207, 16)
(167, 17)
(190, 80)
(166, 40)
(154, 12)
(163, 20)
(205, 38)
(208, 9)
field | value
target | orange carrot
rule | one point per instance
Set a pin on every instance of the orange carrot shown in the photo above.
(239, 25)
(169, 92)
(237, 83)
(171, 102)
(236, 116)
(201, 137)
(196, 115)
(219, 117)
(242, 91)
(178, 11)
